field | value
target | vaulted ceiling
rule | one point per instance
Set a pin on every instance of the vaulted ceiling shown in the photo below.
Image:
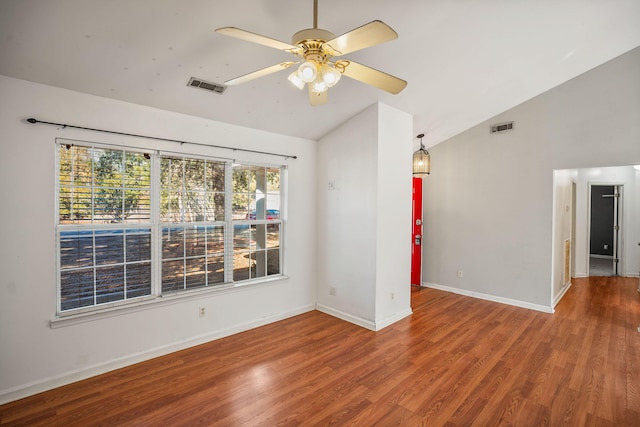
(465, 60)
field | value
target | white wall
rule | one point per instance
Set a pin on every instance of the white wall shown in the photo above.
(393, 228)
(35, 357)
(489, 198)
(364, 218)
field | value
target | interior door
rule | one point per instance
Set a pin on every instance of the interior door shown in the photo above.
(416, 234)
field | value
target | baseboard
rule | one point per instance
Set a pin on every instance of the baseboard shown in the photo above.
(563, 291)
(39, 386)
(368, 324)
(580, 275)
(501, 300)
(598, 256)
(380, 324)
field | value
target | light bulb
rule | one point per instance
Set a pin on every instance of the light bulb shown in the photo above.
(308, 71)
(319, 86)
(296, 80)
(330, 75)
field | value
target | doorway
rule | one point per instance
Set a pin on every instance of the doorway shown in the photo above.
(416, 233)
(604, 230)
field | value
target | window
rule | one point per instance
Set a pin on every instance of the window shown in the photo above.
(104, 230)
(192, 216)
(134, 225)
(256, 229)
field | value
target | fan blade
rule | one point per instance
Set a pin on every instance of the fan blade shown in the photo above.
(368, 35)
(374, 77)
(256, 38)
(317, 98)
(260, 73)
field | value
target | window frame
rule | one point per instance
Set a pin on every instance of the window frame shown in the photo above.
(156, 226)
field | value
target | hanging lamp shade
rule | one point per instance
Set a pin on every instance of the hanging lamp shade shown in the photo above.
(421, 160)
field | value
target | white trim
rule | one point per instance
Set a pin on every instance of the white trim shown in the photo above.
(39, 386)
(380, 324)
(601, 256)
(563, 291)
(580, 275)
(501, 300)
(368, 324)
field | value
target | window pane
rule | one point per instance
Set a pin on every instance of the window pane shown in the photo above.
(194, 240)
(240, 199)
(137, 206)
(194, 206)
(137, 170)
(172, 275)
(273, 180)
(241, 237)
(215, 270)
(76, 289)
(76, 249)
(241, 266)
(171, 173)
(215, 207)
(172, 242)
(108, 205)
(109, 247)
(215, 240)
(138, 245)
(273, 261)
(82, 167)
(273, 235)
(109, 284)
(170, 202)
(215, 176)
(194, 174)
(260, 264)
(138, 279)
(258, 237)
(195, 272)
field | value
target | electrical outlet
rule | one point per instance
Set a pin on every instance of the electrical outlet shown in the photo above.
(460, 273)
(332, 185)
(202, 312)
(332, 290)
(393, 296)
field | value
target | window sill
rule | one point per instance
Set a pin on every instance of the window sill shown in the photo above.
(162, 300)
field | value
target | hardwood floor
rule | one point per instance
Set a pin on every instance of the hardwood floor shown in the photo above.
(456, 361)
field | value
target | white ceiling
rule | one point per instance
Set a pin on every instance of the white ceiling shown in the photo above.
(465, 61)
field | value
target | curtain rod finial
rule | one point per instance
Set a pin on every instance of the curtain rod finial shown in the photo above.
(32, 120)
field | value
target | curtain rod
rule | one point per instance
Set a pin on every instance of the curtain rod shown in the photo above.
(35, 121)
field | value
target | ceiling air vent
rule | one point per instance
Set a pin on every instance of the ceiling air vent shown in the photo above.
(501, 127)
(213, 87)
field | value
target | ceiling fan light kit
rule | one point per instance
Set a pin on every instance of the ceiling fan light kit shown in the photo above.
(315, 49)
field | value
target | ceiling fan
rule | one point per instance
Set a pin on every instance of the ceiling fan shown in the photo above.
(317, 50)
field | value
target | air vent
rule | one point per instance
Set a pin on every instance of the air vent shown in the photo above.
(501, 127)
(212, 87)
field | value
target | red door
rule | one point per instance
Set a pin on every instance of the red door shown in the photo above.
(416, 234)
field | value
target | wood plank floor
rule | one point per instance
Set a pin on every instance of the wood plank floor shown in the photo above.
(456, 361)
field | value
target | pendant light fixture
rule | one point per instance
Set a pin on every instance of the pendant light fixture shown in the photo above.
(421, 160)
